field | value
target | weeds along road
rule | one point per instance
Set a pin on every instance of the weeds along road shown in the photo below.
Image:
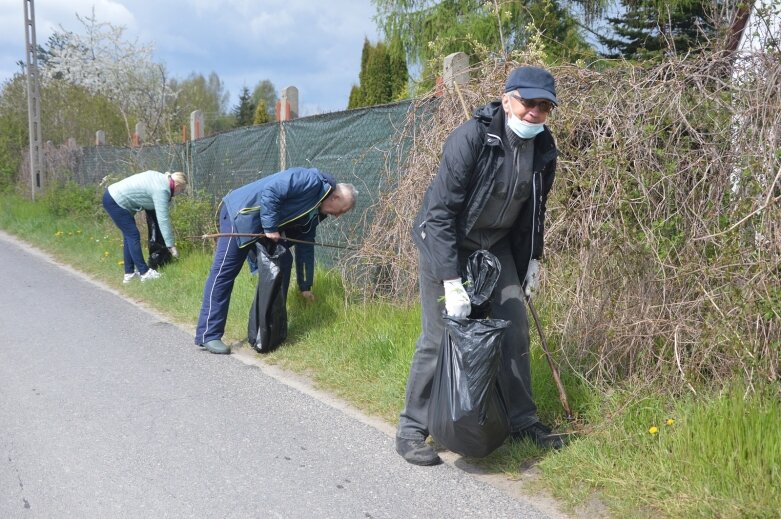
(108, 411)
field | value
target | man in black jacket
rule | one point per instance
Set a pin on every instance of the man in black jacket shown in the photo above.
(490, 193)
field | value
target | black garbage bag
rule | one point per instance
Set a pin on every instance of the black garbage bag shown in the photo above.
(467, 412)
(482, 273)
(159, 254)
(267, 327)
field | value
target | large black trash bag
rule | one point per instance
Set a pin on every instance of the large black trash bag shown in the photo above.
(467, 413)
(159, 254)
(267, 327)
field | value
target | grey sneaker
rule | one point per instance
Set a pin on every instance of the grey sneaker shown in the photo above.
(129, 278)
(217, 346)
(417, 452)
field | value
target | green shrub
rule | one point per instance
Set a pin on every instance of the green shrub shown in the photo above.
(70, 199)
(193, 216)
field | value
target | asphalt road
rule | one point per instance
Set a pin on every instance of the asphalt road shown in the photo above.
(109, 411)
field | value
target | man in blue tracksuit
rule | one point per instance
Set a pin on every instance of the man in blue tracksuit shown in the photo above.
(291, 202)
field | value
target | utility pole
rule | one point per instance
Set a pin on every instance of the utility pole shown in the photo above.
(33, 98)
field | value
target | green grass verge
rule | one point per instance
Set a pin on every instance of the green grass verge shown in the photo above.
(695, 457)
(721, 457)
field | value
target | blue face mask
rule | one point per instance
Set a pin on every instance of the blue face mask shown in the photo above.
(523, 129)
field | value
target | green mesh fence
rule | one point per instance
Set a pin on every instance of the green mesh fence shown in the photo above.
(221, 163)
(355, 146)
(96, 162)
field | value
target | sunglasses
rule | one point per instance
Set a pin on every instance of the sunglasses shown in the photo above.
(544, 106)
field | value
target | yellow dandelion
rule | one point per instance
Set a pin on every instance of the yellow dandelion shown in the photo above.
(670, 422)
(653, 430)
(70, 233)
(78, 232)
(105, 254)
(120, 262)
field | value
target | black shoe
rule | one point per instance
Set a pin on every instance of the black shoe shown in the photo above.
(540, 434)
(417, 452)
(217, 346)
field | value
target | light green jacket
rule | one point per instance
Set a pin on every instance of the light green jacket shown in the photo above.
(147, 190)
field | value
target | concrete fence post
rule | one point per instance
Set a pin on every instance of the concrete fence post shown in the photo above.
(286, 110)
(287, 105)
(290, 94)
(139, 135)
(196, 125)
(100, 138)
(455, 70)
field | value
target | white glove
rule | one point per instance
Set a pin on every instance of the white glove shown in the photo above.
(532, 281)
(174, 252)
(457, 302)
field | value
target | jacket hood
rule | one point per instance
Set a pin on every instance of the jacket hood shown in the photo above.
(487, 113)
(492, 117)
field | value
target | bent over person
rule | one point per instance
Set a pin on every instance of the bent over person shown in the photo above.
(290, 204)
(489, 193)
(149, 190)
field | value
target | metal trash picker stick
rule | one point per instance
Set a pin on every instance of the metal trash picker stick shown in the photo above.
(549, 358)
(261, 235)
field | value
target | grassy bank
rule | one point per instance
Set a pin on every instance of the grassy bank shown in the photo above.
(642, 454)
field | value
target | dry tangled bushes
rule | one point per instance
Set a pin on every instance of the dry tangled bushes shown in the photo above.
(663, 242)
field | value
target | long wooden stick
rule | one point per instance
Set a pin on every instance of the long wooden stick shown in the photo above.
(553, 368)
(261, 235)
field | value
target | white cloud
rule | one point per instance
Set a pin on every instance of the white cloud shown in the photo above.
(272, 29)
(313, 45)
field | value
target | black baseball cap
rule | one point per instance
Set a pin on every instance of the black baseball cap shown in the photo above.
(532, 83)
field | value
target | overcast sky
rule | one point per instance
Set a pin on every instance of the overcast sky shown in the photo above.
(312, 44)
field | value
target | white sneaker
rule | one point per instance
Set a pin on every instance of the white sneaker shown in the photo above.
(150, 274)
(129, 278)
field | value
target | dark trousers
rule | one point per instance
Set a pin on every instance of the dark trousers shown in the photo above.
(507, 303)
(228, 261)
(131, 238)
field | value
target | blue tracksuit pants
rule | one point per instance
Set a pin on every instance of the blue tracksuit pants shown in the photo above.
(228, 261)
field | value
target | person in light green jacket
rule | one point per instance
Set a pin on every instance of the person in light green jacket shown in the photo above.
(148, 190)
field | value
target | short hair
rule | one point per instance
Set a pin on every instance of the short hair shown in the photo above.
(179, 178)
(349, 192)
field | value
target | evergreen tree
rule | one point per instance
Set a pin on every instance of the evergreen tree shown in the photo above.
(244, 112)
(382, 79)
(266, 92)
(399, 75)
(355, 100)
(376, 82)
(649, 30)
(261, 113)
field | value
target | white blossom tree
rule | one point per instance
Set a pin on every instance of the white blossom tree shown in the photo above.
(104, 62)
